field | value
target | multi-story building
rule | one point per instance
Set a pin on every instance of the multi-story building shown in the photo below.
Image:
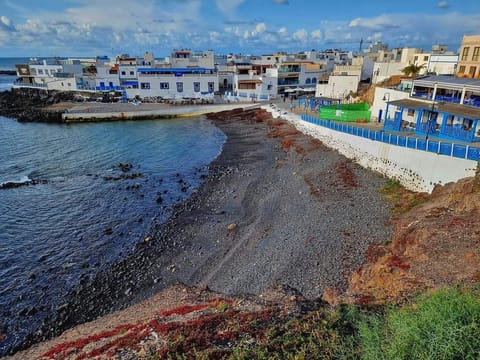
(469, 62)
(299, 74)
(255, 81)
(187, 82)
(188, 58)
(52, 74)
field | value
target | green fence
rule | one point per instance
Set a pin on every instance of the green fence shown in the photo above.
(356, 112)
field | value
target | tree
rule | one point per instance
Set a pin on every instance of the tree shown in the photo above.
(413, 70)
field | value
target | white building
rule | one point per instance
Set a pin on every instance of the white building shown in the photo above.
(337, 86)
(188, 58)
(382, 96)
(175, 83)
(52, 74)
(299, 74)
(384, 70)
(442, 64)
(255, 82)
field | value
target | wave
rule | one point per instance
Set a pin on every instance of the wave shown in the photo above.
(24, 181)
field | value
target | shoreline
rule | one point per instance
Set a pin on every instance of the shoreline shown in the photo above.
(301, 214)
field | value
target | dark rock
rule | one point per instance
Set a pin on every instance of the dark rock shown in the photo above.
(108, 231)
(125, 167)
(28, 104)
(159, 199)
(16, 184)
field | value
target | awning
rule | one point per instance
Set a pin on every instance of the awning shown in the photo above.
(471, 112)
(249, 81)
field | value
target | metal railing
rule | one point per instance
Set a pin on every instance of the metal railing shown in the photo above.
(447, 148)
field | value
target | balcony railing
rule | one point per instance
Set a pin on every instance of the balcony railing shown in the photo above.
(30, 85)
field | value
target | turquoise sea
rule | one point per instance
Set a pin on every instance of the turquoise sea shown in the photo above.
(86, 215)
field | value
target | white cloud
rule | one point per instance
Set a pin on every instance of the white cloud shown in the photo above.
(317, 34)
(5, 21)
(443, 4)
(260, 28)
(228, 7)
(301, 35)
(378, 22)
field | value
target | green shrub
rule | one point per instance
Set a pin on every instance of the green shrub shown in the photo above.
(444, 324)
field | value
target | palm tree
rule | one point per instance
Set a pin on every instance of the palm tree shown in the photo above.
(413, 70)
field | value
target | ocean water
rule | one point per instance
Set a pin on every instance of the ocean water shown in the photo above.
(6, 81)
(84, 217)
(8, 63)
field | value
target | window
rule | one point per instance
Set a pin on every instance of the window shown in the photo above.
(164, 86)
(132, 73)
(425, 58)
(465, 53)
(476, 53)
(411, 112)
(461, 69)
(415, 58)
(269, 87)
(40, 71)
(179, 87)
(473, 70)
(145, 85)
(211, 87)
(123, 73)
(314, 80)
(307, 81)
(196, 86)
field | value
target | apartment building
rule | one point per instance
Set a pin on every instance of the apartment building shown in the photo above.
(469, 62)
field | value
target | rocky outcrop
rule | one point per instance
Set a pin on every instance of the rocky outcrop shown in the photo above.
(29, 104)
(434, 244)
(16, 184)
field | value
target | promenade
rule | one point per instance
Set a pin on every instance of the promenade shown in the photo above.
(95, 111)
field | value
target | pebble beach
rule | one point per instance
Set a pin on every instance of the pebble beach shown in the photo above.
(277, 208)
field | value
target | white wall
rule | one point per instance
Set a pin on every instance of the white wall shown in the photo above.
(415, 169)
(443, 64)
(384, 70)
(379, 103)
(63, 84)
(187, 83)
(338, 86)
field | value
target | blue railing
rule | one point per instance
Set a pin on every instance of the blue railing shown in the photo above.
(434, 146)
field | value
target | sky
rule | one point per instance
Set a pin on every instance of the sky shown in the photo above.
(110, 27)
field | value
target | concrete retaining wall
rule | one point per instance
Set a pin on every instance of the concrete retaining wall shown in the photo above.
(180, 111)
(415, 169)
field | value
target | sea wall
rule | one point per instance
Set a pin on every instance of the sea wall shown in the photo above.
(415, 169)
(112, 112)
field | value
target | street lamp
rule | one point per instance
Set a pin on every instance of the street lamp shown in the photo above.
(386, 97)
(431, 117)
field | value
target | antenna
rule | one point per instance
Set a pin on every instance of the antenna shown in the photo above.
(361, 43)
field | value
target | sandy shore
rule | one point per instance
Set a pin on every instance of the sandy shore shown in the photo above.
(277, 208)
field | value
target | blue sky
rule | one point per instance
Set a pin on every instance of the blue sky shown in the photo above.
(95, 27)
